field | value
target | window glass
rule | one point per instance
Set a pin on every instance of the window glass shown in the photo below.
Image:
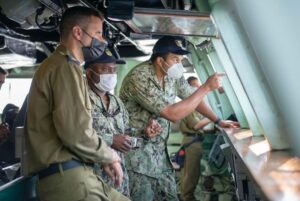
(14, 91)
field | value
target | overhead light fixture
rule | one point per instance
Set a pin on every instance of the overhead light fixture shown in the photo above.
(172, 22)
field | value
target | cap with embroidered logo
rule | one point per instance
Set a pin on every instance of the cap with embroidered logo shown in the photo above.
(170, 44)
(106, 57)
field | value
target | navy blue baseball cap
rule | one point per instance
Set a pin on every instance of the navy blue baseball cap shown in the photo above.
(106, 57)
(170, 44)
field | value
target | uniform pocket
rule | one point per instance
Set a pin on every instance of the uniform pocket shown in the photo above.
(61, 188)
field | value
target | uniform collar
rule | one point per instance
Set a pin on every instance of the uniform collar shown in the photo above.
(64, 51)
(154, 77)
(94, 97)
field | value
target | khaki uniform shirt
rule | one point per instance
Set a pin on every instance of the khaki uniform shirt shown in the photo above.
(187, 124)
(59, 123)
(144, 98)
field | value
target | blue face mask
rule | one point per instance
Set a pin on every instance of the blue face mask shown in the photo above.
(95, 50)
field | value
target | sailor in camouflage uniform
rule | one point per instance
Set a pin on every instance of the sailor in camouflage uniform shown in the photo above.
(149, 91)
(110, 118)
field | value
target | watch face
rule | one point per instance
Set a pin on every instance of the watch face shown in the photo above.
(136, 142)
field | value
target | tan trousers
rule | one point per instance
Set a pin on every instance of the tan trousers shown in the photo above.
(191, 169)
(76, 184)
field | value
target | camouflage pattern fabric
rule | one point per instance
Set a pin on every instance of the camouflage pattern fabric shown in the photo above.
(191, 169)
(144, 97)
(107, 127)
(216, 183)
(149, 188)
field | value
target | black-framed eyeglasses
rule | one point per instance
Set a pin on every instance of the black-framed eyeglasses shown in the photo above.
(106, 113)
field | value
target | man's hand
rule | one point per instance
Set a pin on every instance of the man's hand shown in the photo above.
(121, 143)
(4, 131)
(115, 172)
(229, 124)
(214, 81)
(152, 129)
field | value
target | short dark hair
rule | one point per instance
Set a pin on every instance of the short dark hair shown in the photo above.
(2, 71)
(154, 56)
(190, 79)
(77, 15)
(9, 114)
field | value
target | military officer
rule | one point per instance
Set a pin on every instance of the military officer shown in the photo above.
(214, 182)
(149, 90)
(191, 127)
(62, 146)
(110, 118)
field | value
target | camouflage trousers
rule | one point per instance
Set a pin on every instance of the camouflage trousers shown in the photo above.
(215, 182)
(145, 188)
(201, 181)
(216, 188)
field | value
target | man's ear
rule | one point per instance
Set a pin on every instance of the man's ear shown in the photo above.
(88, 74)
(77, 32)
(160, 61)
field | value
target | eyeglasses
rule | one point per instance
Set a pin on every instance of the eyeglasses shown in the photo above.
(106, 113)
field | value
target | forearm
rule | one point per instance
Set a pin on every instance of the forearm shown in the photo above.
(206, 111)
(202, 123)
(183, 108)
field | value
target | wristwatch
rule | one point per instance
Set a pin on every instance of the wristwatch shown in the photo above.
(217, 121)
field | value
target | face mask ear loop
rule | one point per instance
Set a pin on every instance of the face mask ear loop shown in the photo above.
(84, 31)
(163, 69)
(95, 74)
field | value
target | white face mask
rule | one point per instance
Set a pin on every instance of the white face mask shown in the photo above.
(107, 82)
(175, 71)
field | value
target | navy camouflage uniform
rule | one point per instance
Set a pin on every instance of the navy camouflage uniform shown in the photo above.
(151, 176)
(107, 127)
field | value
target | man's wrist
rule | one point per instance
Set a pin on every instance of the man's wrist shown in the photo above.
(217, 121)
(206, 88)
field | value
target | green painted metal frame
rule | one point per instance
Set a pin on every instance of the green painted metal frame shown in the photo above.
(21, 189)
(277, 47)
(229, 91)
(218, 102)
(247, 68)
(203, 74)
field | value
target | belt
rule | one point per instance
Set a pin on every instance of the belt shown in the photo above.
(54, 167)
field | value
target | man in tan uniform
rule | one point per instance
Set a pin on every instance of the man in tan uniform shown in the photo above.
(62, 146)
(191, 127)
